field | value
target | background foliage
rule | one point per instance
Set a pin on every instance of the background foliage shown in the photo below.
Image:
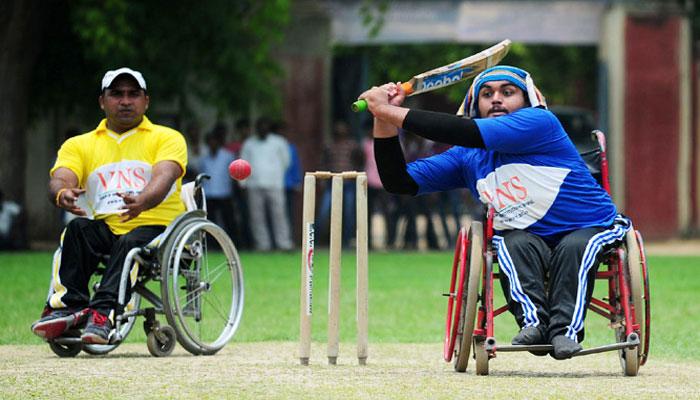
(219, 53)
(53, 53)
(564, 74)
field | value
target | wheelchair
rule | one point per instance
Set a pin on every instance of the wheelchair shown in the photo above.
(470, 309)
(199, 272)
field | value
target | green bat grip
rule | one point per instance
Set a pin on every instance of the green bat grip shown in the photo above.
(359, 106)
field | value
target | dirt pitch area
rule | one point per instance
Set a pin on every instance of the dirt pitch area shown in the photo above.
(271, 371)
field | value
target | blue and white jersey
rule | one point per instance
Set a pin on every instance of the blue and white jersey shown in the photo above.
(530, 173)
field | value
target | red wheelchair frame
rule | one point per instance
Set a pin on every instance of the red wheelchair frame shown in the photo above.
(471, 313)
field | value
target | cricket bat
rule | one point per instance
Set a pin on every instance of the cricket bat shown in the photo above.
(450, 74)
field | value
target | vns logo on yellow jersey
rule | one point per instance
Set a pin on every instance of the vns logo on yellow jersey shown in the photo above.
(103, 184)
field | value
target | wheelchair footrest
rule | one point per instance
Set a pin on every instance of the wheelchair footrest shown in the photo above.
(511, 348)
(632, 341)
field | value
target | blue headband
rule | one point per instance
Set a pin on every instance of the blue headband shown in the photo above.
(514, 75)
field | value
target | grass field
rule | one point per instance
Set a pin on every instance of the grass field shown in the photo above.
(405, 353)
(406, 302)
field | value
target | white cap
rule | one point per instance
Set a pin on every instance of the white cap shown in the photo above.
(110, 75)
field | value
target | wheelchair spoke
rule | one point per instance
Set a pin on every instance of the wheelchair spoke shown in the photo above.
(219, 270)
(213, 300)
(196, 293)
(215, 304)
(206, 299)
(217, 307)
(205, 253)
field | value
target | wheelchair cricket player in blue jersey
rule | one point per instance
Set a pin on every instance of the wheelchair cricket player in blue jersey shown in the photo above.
(552, 221)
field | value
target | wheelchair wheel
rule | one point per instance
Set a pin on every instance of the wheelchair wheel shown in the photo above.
(99, 349)
(647, 299)
(161, 341)
(482, 357)
(67, 350)
(472, 262)
(202, 287)
(630, 358)
(454, 308)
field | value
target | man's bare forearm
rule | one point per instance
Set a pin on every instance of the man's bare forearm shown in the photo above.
(55, 184)
(390, 115)
(62, 178)
(384, 129)
(164, 176)
(165, 173)
(156, 190)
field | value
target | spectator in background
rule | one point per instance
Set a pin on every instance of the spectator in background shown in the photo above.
(219, 130)
(240, 198)
(416, 147)
(219, 189)
(11, 232)
(292, 177)
(343, 154)
(240, 134)
(268, 155)
(194, 150)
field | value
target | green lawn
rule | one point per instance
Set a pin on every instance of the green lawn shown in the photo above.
(406, 302)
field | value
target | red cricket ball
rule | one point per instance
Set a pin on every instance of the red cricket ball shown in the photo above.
(239, 169)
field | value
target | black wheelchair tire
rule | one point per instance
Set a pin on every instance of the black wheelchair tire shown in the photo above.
(159, 347)
(66, 350)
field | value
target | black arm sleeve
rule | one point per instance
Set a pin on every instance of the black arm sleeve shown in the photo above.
(444, 128)
(392, 166)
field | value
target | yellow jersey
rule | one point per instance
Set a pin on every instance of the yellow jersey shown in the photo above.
(107, 163)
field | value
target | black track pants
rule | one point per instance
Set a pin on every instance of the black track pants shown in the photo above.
(549, 286)
(82, 243)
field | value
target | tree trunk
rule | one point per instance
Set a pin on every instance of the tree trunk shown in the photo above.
(21, 24)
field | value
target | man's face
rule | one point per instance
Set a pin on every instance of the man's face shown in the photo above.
(124, 104)
(498, 98)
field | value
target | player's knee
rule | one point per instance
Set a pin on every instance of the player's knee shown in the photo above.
(575, 241)
(127, 243)
(517, 240)
(77, 225)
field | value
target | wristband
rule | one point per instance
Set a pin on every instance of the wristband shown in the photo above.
(58, 196)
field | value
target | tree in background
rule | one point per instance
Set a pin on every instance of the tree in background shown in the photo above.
(53, 54)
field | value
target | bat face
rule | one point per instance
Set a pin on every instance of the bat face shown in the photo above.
(437, 81)
(451, 73)
(459, 70)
